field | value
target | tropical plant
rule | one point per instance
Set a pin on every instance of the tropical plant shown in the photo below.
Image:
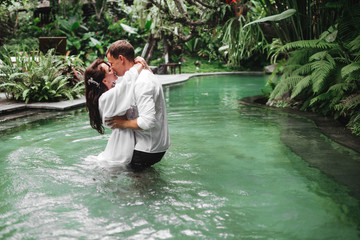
(208, 45)
(38, 77)
(310, 20)
(175, 22)
(6, 24)
(323, 75)
(240, 43)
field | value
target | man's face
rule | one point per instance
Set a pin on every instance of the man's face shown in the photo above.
(117, 64)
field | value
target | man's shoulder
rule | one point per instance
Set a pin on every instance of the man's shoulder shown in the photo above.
(146, 74)
(147, 77)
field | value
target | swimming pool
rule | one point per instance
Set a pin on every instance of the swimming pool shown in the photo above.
(228, 175)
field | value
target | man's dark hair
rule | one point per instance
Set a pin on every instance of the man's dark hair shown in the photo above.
(122, 47)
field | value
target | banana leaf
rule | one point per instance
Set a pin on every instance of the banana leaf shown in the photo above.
(274, 18)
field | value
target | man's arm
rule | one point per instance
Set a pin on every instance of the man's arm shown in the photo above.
(122, 123)
(146, 108)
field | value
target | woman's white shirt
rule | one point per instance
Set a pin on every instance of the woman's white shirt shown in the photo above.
(115, 102)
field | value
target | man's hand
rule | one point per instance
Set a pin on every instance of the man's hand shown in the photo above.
(117, 122)
(122, 123)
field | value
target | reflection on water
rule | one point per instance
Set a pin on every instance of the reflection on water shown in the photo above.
(228, 174)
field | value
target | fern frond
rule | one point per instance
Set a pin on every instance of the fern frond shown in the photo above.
(340, 87)
(350, 68)
(356, 57)
(323, 55)
(302, 84)
(284, 86)
(351, 101)
(355, 118)
(341, 60)
(353, 78)
(289, 69)
(320, 98)
(303, 70)
(300, 56)
(318, 56)
(317, 44)
(354, 45)
(321, 70)
(58, 80)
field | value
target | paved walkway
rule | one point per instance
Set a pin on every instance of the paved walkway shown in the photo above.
(8, 106)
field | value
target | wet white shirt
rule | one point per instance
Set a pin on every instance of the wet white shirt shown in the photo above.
(151, 112)
(115, 102)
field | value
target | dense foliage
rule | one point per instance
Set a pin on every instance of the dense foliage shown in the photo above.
(38, 77)
(323, 74)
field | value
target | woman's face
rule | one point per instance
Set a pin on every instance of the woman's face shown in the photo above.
(110, 77)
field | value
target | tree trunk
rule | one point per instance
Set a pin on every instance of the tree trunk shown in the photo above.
(100, 8)
(150, 54)
(147, 45)
(166, 47)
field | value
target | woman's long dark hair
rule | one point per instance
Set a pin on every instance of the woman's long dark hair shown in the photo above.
(94, 87)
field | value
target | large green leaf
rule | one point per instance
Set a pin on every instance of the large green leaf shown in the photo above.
(128, 29)
(95, 41)
(75, 26)
(25, 93)
(274, 18)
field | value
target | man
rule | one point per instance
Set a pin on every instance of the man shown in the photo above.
(148, 118)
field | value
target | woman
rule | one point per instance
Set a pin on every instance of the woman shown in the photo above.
(105, 99)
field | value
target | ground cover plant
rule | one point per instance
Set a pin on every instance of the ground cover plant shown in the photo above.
(37, 77)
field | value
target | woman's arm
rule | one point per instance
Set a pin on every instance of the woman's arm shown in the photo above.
(142, 62)
(132, 74)
(119, 98)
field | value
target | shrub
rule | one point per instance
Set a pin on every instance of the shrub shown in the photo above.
(39, 77)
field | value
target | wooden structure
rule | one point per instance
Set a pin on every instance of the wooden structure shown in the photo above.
(58, 43)
(172, 67)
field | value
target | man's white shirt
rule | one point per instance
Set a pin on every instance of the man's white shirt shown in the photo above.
(150, 109)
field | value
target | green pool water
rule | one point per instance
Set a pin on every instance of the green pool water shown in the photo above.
(229, 174)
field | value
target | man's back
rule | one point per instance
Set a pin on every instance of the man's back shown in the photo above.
(150, 102)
